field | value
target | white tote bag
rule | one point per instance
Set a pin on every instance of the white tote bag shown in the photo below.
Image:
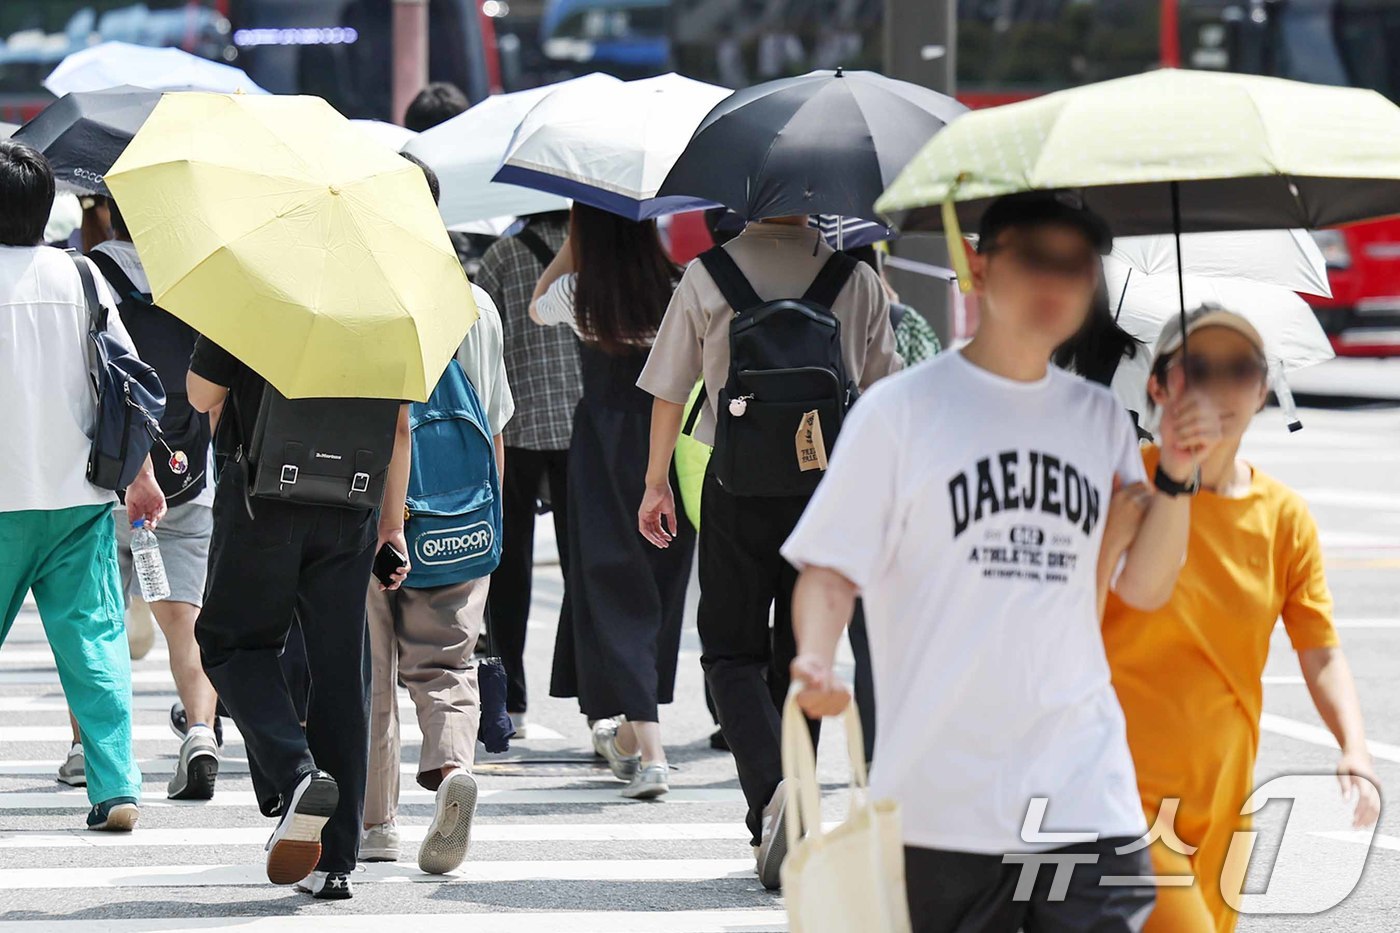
(851, 877)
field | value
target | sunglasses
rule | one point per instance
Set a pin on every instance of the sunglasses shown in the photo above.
(1079, 266)
(1240, 372)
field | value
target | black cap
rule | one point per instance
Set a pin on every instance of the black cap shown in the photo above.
(1036, 208)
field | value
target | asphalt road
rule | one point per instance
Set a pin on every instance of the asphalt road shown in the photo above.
(556, 849)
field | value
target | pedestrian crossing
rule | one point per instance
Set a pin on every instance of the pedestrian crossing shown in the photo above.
(554, 847)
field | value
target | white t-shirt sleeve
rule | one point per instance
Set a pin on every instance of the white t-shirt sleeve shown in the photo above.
(482, 356)
(850, 524)
(556, 305)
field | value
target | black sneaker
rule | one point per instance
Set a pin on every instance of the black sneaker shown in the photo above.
(197, 769)
(118, 815)
(718, 742)
(295, 846)
(179, 724)
(327, 885)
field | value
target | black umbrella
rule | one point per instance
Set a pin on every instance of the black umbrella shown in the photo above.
(829, 142)
(82, 134)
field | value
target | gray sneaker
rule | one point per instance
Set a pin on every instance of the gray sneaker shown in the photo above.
(380, 843)
(772, 849)
(624, 767)
(648, 783)
(450, 835)
(197, 769)
(73, 771)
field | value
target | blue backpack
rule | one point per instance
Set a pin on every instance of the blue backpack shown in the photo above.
(454, 491)
(130, 398)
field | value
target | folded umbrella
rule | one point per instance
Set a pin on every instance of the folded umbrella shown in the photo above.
(828, 142)
(467, 150)
(610, 145)
(113, 64)
(1289, 258)
(83, 133)
(273, 226)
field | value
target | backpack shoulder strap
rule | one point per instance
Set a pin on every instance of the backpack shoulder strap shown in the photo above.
(112, 271)
(730, 280)
(537, 246)
(830, 280)
(97, 312)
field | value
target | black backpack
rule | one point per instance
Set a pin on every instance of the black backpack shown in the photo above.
(788, 391)
(165, 342)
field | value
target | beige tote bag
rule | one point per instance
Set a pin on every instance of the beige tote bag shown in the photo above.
(851, 877)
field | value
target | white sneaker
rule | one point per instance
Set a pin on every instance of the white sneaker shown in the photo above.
(772, 848)
(450, 835)
(198, 767)
(648, 783)
(73, 771)
(380, 843)
(624, 767)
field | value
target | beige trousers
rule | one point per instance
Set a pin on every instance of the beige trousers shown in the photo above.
(426, 638)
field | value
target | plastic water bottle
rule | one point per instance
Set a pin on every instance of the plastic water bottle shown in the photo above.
(146, 561)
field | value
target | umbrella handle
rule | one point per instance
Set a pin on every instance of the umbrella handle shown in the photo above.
(1180, 270)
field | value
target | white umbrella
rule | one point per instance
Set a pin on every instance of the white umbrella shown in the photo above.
(467, 150)
(1293, 339)
(113, 64)
(1288, 258)
(388, 134)
(611, 146)
(7, 130)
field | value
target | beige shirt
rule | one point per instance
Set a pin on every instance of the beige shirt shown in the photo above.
(780, 261)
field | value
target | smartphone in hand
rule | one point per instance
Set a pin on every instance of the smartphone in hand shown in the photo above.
(388, 562)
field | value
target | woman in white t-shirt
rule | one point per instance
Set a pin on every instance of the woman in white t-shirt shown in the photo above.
(617, 646)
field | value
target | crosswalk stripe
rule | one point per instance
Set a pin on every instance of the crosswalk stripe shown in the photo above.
(159, 876)
(582, 921)
(489, 796)
(733, 830)
(154, 767)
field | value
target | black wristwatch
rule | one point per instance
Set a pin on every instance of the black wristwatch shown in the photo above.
(1170, 487)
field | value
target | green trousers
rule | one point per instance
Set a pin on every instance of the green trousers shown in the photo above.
(68, 558)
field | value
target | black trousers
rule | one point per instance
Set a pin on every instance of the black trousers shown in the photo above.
(865, 679)
(508, 606)
(743, 578)
(313, 563)
(965, 892)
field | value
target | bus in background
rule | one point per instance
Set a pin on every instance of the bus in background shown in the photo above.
(625, 38)
(35, 35)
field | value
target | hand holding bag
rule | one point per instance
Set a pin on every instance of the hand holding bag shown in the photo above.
(852, 877)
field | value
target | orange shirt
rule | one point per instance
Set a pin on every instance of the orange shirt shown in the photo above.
(1189, 674)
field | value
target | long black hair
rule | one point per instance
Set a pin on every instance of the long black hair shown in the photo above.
(1100, 345)
(625, 278)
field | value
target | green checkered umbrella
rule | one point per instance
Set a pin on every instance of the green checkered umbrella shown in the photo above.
(1167, 151)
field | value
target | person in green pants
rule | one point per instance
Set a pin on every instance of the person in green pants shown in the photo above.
(56, 531)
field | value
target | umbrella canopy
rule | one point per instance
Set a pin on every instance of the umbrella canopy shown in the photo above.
(611, 145)
(1144, 304)
(1241, 151)
(8, 129)
(1288, 258)
(849, 232)
(387, 134)
(113, 64)
(83, 133)
(467, 150)
(276, 228)
(825, 143)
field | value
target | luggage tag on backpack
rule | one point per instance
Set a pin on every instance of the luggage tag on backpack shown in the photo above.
(811, 446)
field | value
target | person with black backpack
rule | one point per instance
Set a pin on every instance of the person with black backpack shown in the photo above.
(182, 469)
(65, 356)
(310, 491)
(786, 332)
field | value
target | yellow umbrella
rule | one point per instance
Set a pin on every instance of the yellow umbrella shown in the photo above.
(273, 226)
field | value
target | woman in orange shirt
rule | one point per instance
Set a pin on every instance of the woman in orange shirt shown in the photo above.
(1189, 675)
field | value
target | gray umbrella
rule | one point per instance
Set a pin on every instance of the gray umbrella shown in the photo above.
(828, 142)
(7, 130)
(82, 134)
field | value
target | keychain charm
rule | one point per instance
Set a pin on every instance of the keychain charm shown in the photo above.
(737, 406)
(179, 463)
